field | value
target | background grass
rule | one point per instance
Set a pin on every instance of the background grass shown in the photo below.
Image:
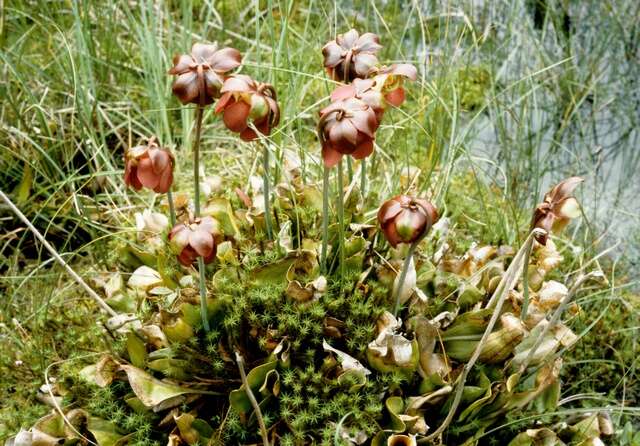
(513, 96)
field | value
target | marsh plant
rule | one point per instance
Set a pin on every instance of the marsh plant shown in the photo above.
(242, 323)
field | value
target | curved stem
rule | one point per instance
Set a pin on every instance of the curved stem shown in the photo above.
(252, 398)
(325, 219)
(172, 208)
(403, 276)
(341, 219)
(196, 200)
(266, 193)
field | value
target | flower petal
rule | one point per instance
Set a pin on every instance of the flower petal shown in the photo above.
(185, 87)
(388, 211)
(391, 234)
(404, 69)
(187, 256)
(330, 156)
(348, 39)
(365, 121)
(429, 210)
(181, 64)
(343, 92)
(207, 224)
(395, 97)
(203, 52)
(202, 242)
(275, 111)
(225, 60)
(235, 116)
(223, 101)
(179, 237)
(159, 160)
(343, 129)
(363, 63)
(564, 189)
(131, 177)
(237, 83)
(213, 83)
(363, 150)
(368, 42)
(146, 175)
(568, 208)
(248, 134)
(332, 54)
(165, 182)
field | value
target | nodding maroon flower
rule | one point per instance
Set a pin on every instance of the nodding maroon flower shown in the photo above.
(194, 239)
(389, 80)
(557, 209)
(347, 127)
(200, 75)
(405, 219)
(149, 166)
(351, 55)
(244, 100)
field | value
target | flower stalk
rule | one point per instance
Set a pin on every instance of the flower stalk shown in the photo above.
(341, 219)
(172, 208)
(403, 276)
(196, 201)
(325, 218)
(266, 192)
(196, 160)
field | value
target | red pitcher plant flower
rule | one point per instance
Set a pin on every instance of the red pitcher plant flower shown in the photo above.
(200, 75)
(405, 219)
(149, 166)
(557, 209)
(389, 81)
(385, 87)
(244, 99)
(347, 127)
(351, 55)
(194, 239)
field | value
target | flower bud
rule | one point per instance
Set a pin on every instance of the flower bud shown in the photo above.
(405, 219)
(557, 209)
(149, 166)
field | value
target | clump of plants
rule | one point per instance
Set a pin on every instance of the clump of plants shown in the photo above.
(254, 316)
